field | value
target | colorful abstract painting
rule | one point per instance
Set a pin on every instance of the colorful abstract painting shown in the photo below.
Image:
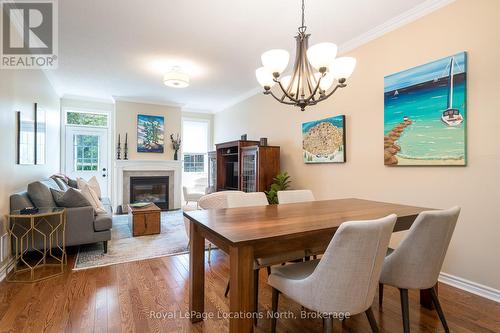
(323, 141)
(150, 134)
(425, 114)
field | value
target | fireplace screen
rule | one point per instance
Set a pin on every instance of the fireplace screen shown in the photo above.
(149, 189)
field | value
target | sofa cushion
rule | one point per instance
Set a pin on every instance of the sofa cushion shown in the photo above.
(61, 183)
(39, 193)
(103, 222)
(70, 198)
(19, 201)
(91, 196)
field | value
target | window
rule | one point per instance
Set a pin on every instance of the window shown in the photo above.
(195, 145)
(86, 152)
(87, 119)
(194, 162)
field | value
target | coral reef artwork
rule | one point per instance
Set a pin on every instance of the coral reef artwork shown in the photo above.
(323, 141)
(150, 134)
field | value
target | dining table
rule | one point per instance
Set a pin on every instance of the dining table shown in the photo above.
(247, 233)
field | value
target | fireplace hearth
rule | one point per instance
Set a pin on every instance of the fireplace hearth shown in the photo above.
(150, 189)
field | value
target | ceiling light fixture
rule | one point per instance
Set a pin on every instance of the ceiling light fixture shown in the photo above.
(176, 78)
(315, 71)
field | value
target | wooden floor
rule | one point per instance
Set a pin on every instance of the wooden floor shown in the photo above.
(129, 297)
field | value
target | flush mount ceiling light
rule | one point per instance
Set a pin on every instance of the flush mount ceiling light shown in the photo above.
(176, 78)
(315, 71)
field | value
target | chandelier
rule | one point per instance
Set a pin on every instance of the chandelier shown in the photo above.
(315, 72)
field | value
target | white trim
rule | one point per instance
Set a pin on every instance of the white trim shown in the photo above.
(394, 23)
(142, 101)
(88, 99)
(470, 286)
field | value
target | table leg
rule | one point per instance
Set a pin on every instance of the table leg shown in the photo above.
(196, 273)
(241, 301)
(426, 298)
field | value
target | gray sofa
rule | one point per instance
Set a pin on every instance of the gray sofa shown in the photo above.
(83, 226)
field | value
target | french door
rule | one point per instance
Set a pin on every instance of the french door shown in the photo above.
(87, 154)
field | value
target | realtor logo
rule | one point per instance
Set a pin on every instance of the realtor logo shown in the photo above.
(29, 34)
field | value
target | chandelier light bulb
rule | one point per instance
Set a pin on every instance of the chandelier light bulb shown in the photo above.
(342, 68)
(264, 77)
(321, 55)
(275, 60)
(326, 82)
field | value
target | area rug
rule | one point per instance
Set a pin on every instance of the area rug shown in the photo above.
(124, 248)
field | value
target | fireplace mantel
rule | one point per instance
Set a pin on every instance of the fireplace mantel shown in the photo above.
(147, 166)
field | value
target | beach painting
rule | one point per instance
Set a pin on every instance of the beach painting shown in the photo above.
(425, 114)
(323, 141)
(150, 134)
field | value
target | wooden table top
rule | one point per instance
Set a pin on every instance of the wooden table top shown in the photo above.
(249, 224)
(146, 209)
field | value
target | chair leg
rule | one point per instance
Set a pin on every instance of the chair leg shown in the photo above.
(371, 320)
(209, 252)
(380, 293)
(327, 324)
(105, 244)
(405, 310)
(274, 309)
(227, 290)
(439, 310)
(255, 294)
(268, 270)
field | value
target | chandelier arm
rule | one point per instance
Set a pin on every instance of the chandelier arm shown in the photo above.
(284, 91)
(340, 85)
(315, 91)
(279, 100)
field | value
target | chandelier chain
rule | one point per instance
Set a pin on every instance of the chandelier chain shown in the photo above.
(303, 26)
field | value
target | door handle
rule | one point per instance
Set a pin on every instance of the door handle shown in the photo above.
(104, 175)
(104, 169)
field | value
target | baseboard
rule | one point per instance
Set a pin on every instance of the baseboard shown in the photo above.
(469, 286)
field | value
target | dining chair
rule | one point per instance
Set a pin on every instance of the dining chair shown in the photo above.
(211, 201)
(344, 280)
(294, 196)
(242, 199)
(417, 261)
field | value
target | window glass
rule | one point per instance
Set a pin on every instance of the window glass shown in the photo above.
(86, 152)
(194, 162)
(87, 119)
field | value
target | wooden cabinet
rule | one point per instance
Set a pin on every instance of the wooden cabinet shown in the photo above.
(246, 166)
(258, 168)
(145, 221)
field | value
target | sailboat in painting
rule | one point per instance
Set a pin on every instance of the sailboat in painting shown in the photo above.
(451, 116)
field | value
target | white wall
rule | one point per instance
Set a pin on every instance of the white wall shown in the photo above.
(19, 90)
(465, 25)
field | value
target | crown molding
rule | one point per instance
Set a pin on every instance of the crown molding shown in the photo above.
(145, 101)
(88, 99)
(392, 24)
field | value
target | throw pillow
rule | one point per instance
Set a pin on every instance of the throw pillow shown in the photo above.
(61, 183)
(39, 193)
(81, 183)
(94, 184)
(92, 197)
(70, 198)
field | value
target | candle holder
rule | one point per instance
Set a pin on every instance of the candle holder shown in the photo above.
(119, 149)
(125, 148)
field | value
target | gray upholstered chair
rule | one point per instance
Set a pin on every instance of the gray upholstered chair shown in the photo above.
(294, 196)
(417, 261)
(345, 279)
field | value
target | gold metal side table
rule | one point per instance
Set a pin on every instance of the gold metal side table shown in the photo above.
(38, 241)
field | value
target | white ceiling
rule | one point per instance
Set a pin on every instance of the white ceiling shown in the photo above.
(117, 48)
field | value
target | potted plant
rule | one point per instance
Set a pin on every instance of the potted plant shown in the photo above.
(280, 183)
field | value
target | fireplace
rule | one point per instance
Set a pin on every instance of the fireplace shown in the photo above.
(150, 189)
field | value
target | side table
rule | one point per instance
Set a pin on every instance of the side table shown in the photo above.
(38, 242)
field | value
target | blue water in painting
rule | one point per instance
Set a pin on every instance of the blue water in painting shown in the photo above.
(428, 137)
(337, 121)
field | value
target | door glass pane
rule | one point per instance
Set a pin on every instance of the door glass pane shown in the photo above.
(86, 152)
